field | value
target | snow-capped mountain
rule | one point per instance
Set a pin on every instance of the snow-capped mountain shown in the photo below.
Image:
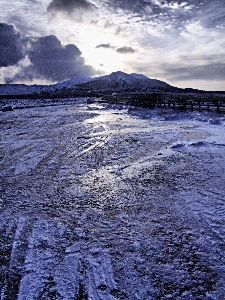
(119, 82)
(115, 82)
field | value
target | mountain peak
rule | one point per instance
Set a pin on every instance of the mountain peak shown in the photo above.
(123, 82)
(119, 73)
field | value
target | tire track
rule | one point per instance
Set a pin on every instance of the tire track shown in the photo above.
(55, 267)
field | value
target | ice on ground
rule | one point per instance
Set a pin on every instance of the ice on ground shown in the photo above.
(111, 202)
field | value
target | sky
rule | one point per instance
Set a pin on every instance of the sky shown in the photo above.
(49, 41)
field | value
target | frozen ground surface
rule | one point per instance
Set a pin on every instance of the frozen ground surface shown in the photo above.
(101, 202)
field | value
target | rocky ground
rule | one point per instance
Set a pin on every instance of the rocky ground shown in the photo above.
(102, 202)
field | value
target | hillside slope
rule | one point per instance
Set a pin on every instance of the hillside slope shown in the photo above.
(115, 82)
(122, 82)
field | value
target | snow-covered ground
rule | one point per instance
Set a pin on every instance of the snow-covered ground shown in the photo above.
(103, 202)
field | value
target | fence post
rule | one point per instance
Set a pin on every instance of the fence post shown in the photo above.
(217, 106)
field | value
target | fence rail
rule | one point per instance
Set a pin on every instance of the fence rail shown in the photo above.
(183, 103)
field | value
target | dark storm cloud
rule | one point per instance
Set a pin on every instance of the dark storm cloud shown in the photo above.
(69, 6)
(210, 71)
(10, 45)
(53, 61)
(105, 46)
(46, 57)
(125, 50)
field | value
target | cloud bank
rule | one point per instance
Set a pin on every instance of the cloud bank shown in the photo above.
(56, 62)
(46, 57)
(210, 71)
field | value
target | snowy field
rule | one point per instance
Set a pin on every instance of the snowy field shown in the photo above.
(102, 202)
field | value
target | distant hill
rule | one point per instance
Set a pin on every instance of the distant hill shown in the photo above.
(115, 82)
(19, 89)
(122, 82)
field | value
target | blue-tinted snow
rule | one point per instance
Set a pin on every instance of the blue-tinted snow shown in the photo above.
(105, 202)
